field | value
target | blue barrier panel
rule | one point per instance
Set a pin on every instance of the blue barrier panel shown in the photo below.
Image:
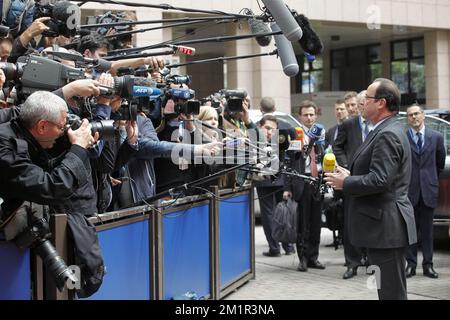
(15, 274)
(125, 252)
(186, 252)
(234, 228)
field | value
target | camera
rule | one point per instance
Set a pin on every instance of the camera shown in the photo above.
(190, 107)
(65, 17)
(178, 79)
(36, 236)
(105, 128)
(234, 98)
(32, 73)
(108, 18)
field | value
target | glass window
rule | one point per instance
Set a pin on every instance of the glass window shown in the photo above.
(400, 50)
(338, 58)
(417, 77)
(399, 74)
(417, 48)
(375, 71)
(374, 54)
(408, 70)
(311, 78)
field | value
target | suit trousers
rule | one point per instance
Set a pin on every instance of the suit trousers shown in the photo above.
(308, 237)
(424, 224)
(391, 263)
(268, 199)
(353, 255)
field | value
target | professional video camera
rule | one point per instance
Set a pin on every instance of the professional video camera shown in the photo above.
(105, 128)
(118, 42)
(65, 18)
(234, 99)
(183, 99)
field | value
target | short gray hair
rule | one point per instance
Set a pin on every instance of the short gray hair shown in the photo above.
(361, 96)
(42, 105)
(267, 105)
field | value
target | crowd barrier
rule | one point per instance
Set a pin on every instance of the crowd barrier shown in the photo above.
(201, 244)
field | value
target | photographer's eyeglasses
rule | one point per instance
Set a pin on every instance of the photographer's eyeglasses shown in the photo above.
(61, 128)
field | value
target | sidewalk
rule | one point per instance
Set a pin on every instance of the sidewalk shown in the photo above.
(278, 279)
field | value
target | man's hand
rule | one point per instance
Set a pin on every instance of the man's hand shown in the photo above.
(209, 149)
(81, 88)
(245, 113)
(2, 79)
(132, 132)
(105, 80)
(82, 136)
(36, 28)
(336, 180)
(154, 63)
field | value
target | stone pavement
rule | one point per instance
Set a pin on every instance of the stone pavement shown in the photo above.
(278, 279)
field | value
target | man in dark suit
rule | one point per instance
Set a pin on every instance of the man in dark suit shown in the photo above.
(428, 160)
(381, 217)
(341, 114)
(352, 133)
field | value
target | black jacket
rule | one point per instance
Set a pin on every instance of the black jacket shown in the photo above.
(348, 140)
(380, 213)
(63, 183)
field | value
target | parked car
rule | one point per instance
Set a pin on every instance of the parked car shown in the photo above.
(442, 212)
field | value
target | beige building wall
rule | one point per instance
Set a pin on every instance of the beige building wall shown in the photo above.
(264, 76)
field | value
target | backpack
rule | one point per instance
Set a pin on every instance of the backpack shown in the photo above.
(285, 222)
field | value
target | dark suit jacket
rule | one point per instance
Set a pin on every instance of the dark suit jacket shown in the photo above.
(426, 167)
(348, 140)
(380, 213)
(329, 136)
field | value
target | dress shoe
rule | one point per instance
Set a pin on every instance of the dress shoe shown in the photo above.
(271, 254)
(410, 271)
(350, 273)
(302, 266)
(290, 252)
(316, 265)
(429, 272)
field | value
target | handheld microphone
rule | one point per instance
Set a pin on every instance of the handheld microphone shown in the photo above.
(142, 91)
(189, 51)
(297, 144)
(329, 162)
(257, 26)
(286, 53)
(283, 17)
(315, 135)
(310, 42)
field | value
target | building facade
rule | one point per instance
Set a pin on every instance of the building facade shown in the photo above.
(405, 40)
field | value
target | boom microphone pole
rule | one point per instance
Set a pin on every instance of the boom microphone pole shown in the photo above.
(125, 33)
(204, 40)
(221, 59)
(162, 7)
(131, 23)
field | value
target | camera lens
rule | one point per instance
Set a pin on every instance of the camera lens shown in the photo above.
(55, 264)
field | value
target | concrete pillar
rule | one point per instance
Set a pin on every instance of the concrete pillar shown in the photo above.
(437, 71)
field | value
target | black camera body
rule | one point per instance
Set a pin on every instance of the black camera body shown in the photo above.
(190, 107)
(235, 99)
(62, 14)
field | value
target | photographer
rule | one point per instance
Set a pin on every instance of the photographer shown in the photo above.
(238, 124)
(64, 183)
